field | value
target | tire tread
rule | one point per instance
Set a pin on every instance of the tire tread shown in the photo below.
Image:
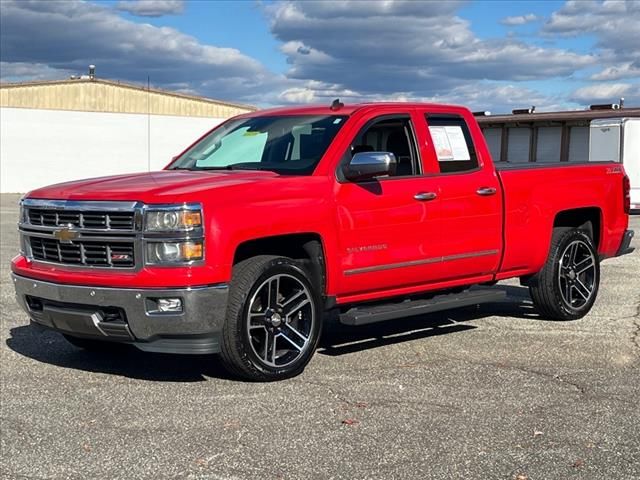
(542, 286)
(233, 354)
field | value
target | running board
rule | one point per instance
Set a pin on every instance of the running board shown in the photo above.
(364, 315)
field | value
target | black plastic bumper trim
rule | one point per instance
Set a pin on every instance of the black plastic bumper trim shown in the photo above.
(625, 246)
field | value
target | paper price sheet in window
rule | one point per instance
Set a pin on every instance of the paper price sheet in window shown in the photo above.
(449, 143)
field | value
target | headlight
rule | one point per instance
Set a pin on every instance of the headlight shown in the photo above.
(168, 253)
(172, 220)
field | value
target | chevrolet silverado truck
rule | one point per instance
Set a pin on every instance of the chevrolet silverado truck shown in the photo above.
(248, 238)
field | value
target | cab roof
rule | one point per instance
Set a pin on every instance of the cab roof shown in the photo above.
(347, 109)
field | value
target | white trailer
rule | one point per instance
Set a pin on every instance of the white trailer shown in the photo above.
(618, 140)
(602, 133)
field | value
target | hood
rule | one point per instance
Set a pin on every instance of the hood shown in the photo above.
(165, 186)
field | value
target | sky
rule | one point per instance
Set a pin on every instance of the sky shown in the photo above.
(487, 55)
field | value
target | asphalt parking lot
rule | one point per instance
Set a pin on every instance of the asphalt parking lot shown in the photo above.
(477, 393)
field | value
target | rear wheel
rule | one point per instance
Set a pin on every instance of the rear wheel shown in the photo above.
(567, 286)
(273, 319)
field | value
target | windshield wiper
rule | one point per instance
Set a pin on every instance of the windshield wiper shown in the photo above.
(236, 166)
(227, 167)
(195, 169)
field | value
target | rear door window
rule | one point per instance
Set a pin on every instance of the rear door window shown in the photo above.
(452, 142)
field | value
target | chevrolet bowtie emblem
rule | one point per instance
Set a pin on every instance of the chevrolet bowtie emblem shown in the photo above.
(66, 235)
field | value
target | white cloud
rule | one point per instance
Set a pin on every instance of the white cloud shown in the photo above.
(520, 19)
(17, 71)
(414, 48)
(616, 72)
(614, 22)
(482, 95)
(68, 36)
(354, 50)
(151, 8)
(608, 92)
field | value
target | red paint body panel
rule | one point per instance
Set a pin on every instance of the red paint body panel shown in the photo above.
(378, 240)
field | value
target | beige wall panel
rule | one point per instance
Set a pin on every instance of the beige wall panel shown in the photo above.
(105, 96)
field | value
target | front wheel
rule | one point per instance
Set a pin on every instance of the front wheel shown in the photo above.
(567, 286)
(273, 320)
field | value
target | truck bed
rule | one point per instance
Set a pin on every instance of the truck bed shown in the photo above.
(534, 194)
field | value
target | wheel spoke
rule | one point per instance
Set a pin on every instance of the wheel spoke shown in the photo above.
(571, 297)
(567, 291)
(290, 311)
(300, 335)
(270, 348)
(295, 345)
(280, 299)
(572, 254)
(293, 297)
(584, 265)
(582, 289)
(273, 288)
(273, 348)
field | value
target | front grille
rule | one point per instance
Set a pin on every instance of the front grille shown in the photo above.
(89, 253)
(87, 219)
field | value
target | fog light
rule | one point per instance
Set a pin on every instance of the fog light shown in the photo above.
(157, 306)
(169, 305)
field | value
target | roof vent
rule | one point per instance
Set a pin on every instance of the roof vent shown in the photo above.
(524, 111)
(605, 106)
(92, 72)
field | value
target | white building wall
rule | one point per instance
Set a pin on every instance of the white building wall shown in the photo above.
(42, 147)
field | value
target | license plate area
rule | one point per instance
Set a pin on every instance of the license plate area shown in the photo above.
(84, 320)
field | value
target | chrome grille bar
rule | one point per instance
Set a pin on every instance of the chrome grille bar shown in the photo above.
(104, 234)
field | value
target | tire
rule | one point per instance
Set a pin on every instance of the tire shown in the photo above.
(567, 286)
(92, 345)
(273, 321)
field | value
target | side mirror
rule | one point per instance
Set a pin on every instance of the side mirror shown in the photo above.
(369, 165)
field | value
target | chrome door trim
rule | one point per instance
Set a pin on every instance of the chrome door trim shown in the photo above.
(413, 263)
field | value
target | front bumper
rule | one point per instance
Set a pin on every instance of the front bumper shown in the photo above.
(126, 315)
(625, 246)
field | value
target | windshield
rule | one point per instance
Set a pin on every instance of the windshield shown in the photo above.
(284, 144)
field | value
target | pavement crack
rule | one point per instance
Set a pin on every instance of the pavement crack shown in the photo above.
(635, 332)
(635, 335)
(551, 376)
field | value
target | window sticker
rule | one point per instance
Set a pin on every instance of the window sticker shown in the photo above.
(441, 143)
(458, 143)
(449, 143)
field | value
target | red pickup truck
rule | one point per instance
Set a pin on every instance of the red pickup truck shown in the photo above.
(246, 240)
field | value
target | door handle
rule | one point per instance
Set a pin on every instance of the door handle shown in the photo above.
(486, 191)
(425, 196)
